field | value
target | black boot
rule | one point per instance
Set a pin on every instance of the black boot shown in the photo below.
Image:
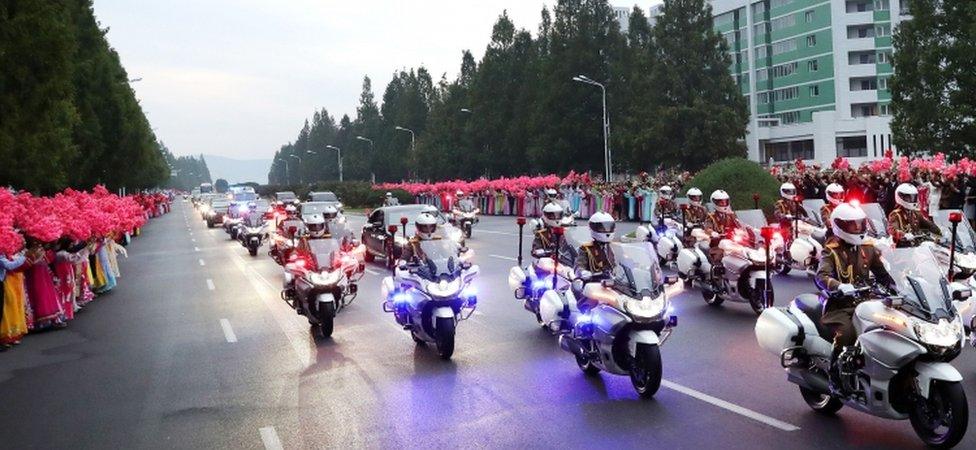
(834, 380)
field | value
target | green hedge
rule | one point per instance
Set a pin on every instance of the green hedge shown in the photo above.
(353, 194)
(741, 178)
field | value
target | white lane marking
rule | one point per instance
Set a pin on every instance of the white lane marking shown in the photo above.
(270, 439)
(506, 233)
(196, 249)
(210, 284)
(372, 272)
(507, 258)
(202, 263)
(730, 406)
(228, 331)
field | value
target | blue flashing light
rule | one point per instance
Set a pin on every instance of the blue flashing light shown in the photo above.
(469, 292)
(540, 285)
(401, 298)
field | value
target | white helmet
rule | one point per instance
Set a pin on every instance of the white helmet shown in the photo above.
(667, 192)
(426, 225)
(906, 196)
(315, 225)
(602, 226)
(695, 196)
(721, 201)
(551, 193)
(329, 213)
(389, 194)
(787, 191)
(849, 223)
(551, 214)
(459, 193)
(835, 194)
(291, 210)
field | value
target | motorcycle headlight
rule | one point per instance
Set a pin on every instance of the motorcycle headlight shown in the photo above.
(456, 236)
(325, 278)
(942, 334)
(400, 240)
(757, 256)
(444, 288)
(646, 307)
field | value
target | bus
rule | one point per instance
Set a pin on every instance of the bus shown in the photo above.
(206, 188)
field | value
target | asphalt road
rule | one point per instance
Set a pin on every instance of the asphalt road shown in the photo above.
(195, 349)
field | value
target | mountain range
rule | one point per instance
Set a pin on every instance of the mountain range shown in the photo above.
(238, 170)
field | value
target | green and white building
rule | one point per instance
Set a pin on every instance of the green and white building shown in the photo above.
(815, 74)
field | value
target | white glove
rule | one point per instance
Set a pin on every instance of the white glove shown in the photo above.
(585, 275)
(909, 236)
(847, 289)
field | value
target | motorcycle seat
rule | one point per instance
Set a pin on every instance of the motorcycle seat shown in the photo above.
(811, 306)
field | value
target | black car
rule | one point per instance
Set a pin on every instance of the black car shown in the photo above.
(383, 233)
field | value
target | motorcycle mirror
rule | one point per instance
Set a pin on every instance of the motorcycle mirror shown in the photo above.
(465, 265)
(404, 220)
(392, 229)
(671, 279)
(962, 294)
(893, 302)
(403, 265)
(606, 283)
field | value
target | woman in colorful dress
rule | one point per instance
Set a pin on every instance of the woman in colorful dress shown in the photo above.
(13, 317)
(40, 288)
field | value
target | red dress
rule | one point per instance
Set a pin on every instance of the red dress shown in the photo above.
(41, 292)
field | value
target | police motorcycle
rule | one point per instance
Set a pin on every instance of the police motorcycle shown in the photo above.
(545, 273)
(253, 232)
(430, 297)
(899, 368)
(234, 218)
(464, 218)
(321, 276)
(802, 247)
(743, 276)
(281, 245)
(624, 333)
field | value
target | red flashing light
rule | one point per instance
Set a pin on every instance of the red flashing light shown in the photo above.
(855, 203)
(391, 228)
(955, 217)
(558, 231)
(768, 233)
(684, 206)
(404, 220)
(520, 221)
(755, 197)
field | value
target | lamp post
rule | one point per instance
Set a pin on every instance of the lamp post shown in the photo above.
(339, 158)
(287, 174)
(413, 139)
(372, 150)
(466, 110)
(299, 167)
(608, 173)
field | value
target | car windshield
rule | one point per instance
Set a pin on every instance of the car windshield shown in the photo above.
(877, 221)
(393, 215)
(965, 237)
(285, 196)
(636, 272)
(441, 258)
(323, 197)
(245, 196)
(314, 208)
(323, 250)
(920, 281)
(752, 217)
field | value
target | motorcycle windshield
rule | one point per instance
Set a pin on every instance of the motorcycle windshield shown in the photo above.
(921, 281)
(637, 272)
(323, 250)
(965, 237)
(340, 230)
(570, 243)
(877, 220)
(441, 259)
(812, 207)
(752, 217)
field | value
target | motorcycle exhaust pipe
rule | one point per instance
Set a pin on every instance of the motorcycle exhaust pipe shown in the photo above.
(809, 380)
(570, 344)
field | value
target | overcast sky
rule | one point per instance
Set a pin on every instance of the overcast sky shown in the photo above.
(237, 77)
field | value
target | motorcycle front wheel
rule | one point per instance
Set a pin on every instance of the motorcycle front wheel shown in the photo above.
(586, 365)
(326, 319)
(645, 371)
(445, 337)
(761, 299)
(822, 403)
(941, 420)
(253, 250)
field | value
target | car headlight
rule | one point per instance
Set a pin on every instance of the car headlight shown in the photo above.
(325, 278)
(646, 307)
(445, 288)
(942, 334)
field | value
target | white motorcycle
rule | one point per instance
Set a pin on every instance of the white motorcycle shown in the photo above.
(624, 333)
(429, 298)
(666, 239)
(321, 280)
(899, 368)
(805, 248)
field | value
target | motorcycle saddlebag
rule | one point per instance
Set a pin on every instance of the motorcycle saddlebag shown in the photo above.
(777, 329)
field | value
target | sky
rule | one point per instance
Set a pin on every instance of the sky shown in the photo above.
(237, 78)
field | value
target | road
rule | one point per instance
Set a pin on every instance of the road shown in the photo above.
(195, 349)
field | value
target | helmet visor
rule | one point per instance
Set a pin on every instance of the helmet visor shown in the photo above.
(789, 192)
(722, 202)
(857, 226)
(329, 215)
(908, 198)
(695, 198)
(553, 215)
(836, 195)
(315, 227)
(603, 227)
(426, 228)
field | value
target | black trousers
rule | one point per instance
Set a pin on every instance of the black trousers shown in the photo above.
(841, 322)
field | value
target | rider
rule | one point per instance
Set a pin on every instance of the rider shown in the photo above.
(906, 221)
(464, 202)
(595, 260)
(544, 241)
(847, 261)
(390, 200)
(426, 225)
(253, 218)
(788, 205)
(834, 195)
(720, 223)
(666, 206)
(291, 220)
(696, 214)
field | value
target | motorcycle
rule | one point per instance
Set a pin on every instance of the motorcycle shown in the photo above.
(547, 272)
(430, 297)
(465, 220)
(624, 333)
(320, 280)
(668, 235)
(743, 275)
(252, 237)
(899, 367)
(802, 251)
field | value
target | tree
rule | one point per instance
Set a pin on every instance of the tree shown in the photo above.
(701, 114)
(221, 185)
(934, 87)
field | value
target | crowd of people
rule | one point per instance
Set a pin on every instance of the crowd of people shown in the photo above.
(59, 253)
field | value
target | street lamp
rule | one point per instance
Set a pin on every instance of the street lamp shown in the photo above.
(608, 172)
(287, 175)
(372, 150)
(339, 157)
(413, 139)
(466, 110)
(299, 167)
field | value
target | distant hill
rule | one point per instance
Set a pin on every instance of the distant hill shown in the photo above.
(238, 170)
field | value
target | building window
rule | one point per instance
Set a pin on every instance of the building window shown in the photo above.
(784, 46)
(780, 23)
(883, 83)
(813, 65)
(759, 29)
(884, 58)
(811, 40)
(881, 5)
(762, 51)
(785, 70)
(862, 57)
(758, 8)
(852, 147)
(882, 30)
(762, 98)
(885, 110)
(808, 16)
(864, 84)
(778, 3)
(864, 109)
(784, 94)
(814, 91)
(789, 151)
(761, 74)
